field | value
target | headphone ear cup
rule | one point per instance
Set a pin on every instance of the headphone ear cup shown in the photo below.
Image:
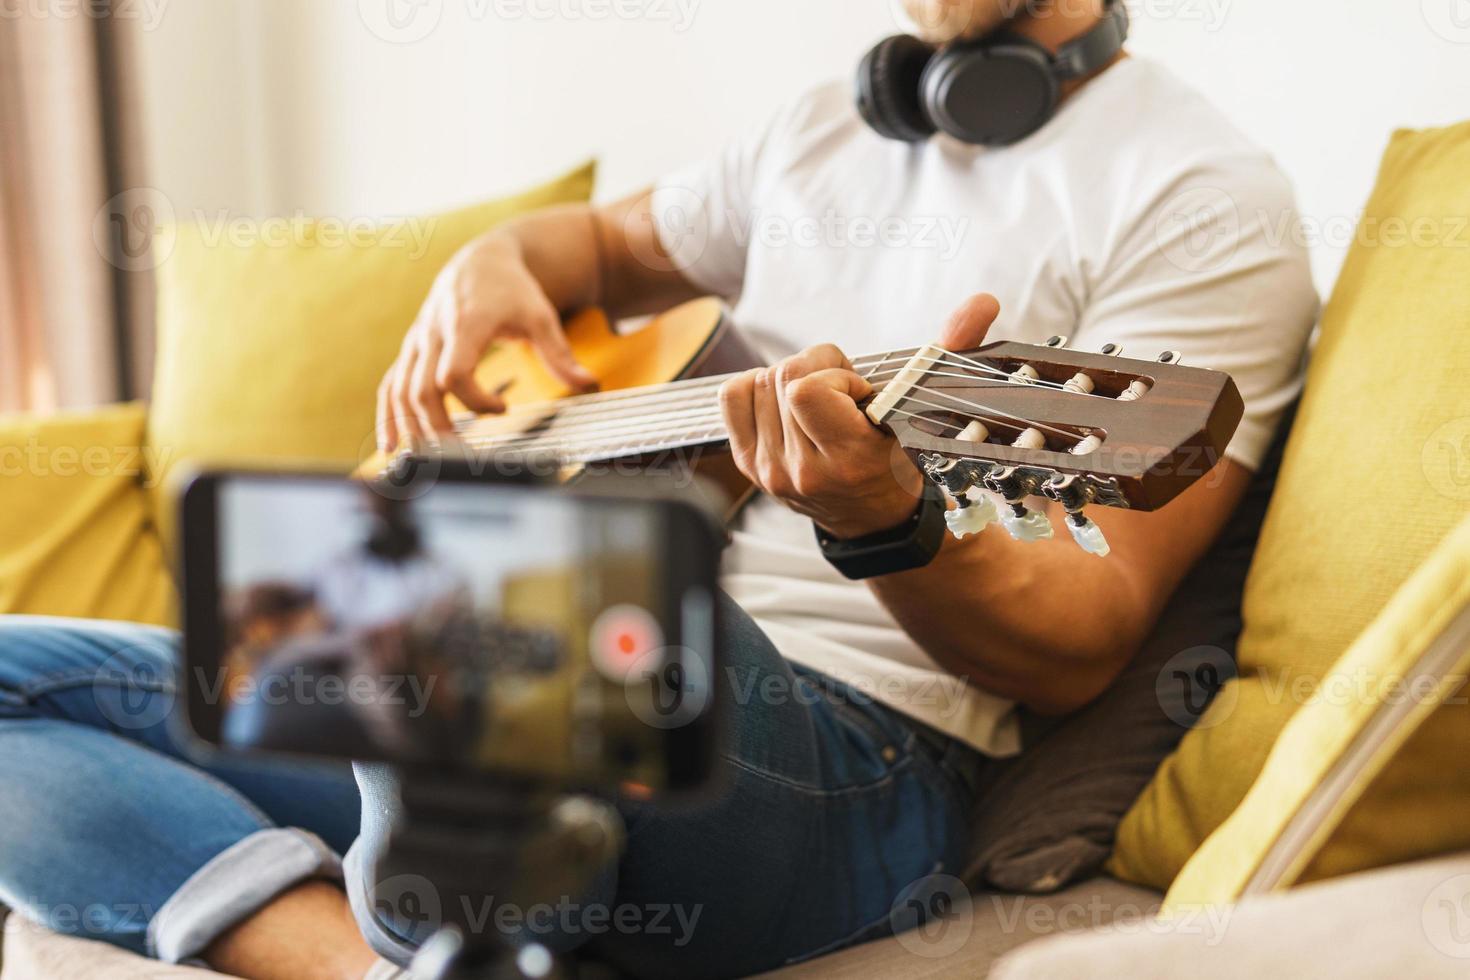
(990, 95)
(888, 84)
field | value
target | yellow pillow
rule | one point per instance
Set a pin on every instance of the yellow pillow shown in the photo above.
(74, 520)
(272, 348)
(1375, 476)
(1374, 770)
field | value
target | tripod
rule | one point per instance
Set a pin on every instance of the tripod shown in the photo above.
(518, 843)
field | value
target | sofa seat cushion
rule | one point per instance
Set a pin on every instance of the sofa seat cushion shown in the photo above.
(1373, 480)
(965, 946)
(979, 933)
(31, 952)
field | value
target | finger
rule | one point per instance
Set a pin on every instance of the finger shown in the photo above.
(387, 425)
(798, 443)
(428, 397)
(825, 407)
(456, 374)
(969, 324)
(403, 413)
(737, 406)
(550, 341)
(813, 359)
(770, 450)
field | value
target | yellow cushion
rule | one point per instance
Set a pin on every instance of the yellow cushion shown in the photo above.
(272, 349)
(1371, 772)
(74, 519)
(1375, 476)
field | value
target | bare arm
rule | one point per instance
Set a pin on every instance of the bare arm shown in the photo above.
(1046, 623)
(607, 256)
(516, 282)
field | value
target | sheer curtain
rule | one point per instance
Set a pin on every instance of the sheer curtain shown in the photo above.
(64, 302)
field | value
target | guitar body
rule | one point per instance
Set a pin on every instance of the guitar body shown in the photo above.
(694, 340)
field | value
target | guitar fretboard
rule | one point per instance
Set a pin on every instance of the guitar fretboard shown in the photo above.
(605, 426)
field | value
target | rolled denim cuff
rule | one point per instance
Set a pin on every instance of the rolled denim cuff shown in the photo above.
(234, 885)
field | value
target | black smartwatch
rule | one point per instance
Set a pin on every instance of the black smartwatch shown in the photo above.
(913, 544)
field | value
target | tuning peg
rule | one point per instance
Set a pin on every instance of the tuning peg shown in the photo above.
(1081, 384)
(1112, 350)
(1058, 342)
(971, 516)
(1032, 439)
(1170, 357)
(1134, 391)
(1024, 523)
(1025, 375)
(1088, 535)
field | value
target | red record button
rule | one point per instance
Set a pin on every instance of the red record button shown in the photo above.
(621, 636)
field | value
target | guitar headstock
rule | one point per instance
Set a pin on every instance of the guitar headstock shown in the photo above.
(1080, 428)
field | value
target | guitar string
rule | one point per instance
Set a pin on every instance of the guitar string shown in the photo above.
(564, 431)
(603, 402)
(687, 430)
(637, 404)
(700, 418)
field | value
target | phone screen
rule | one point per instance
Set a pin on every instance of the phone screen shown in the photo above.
(483, 626)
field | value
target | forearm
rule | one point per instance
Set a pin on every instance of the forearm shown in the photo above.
(1043, 623)
(606, 256)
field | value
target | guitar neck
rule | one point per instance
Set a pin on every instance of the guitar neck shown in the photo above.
(611, 425)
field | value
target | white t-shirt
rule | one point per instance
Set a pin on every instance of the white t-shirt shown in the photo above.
(1138, 216)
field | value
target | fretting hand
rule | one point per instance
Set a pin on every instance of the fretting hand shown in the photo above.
(797, 432)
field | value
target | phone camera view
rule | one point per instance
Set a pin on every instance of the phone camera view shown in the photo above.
(478, 626)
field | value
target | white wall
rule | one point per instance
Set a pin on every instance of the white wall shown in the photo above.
(331, 107)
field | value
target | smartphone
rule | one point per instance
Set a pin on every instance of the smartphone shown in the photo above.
(487, 626)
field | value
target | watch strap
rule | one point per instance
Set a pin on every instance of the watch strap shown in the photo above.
(909, 546)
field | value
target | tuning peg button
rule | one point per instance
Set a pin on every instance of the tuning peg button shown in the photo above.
(971, 517)
(1026, 524)
(1088, 535)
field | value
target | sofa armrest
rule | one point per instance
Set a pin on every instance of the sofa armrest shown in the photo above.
(1407, 921)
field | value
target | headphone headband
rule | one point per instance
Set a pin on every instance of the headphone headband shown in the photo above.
(1097, 47)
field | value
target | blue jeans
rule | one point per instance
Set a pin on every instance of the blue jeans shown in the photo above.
(833, 814)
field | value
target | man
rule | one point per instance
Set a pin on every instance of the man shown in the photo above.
(856, 783)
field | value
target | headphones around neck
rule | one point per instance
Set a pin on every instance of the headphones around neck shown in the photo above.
(991, 92)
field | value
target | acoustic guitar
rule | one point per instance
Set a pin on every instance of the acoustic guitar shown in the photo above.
(1018, 420)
